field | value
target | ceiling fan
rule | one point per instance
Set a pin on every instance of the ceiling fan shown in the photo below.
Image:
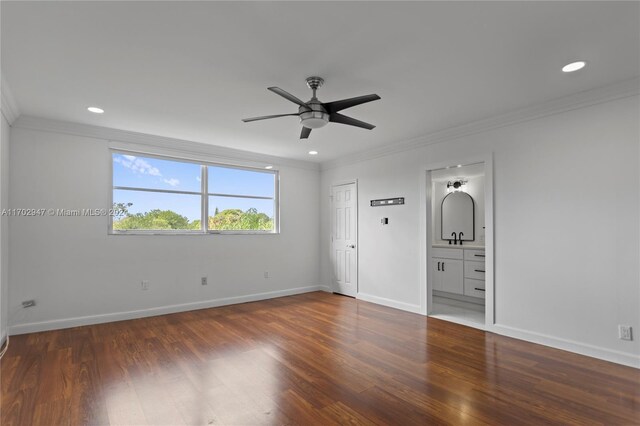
(315, 114)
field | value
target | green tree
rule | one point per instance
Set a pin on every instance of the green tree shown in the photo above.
(121, 210)
(226, 220)
(237, 220)
(155, 219)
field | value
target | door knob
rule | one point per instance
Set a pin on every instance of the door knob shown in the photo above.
(351, 246)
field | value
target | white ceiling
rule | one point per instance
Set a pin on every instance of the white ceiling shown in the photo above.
(192, 70)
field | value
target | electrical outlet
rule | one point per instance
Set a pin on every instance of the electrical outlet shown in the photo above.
(145, 284)
(624, 332)
(266, 274)
(203, 281)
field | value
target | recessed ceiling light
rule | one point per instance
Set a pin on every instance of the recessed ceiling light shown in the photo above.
(95, 110)
(574, 66)
(313, 152)
(268, 167)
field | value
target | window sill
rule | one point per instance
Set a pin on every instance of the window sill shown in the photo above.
(116, 233)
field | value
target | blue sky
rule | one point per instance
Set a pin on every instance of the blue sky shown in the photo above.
(152, 173)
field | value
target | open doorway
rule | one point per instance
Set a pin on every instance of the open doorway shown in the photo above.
(460, 281)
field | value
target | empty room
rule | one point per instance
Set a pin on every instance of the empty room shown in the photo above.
(319, 213)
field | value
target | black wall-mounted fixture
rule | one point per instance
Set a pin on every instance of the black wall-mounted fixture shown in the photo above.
(456, 184)
(384, 221)
(387, 202)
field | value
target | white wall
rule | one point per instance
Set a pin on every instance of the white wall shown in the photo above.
(4, 228)
(566, 209)
(72, 268)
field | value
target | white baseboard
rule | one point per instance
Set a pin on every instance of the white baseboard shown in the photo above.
(162, 310)
(618, 357)
(416, 309)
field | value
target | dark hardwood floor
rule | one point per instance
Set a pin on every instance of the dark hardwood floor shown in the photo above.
(309, 359)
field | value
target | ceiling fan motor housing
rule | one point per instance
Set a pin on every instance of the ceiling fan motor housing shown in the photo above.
(314, 115)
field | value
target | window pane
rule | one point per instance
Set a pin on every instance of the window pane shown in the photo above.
(156, 211)
(144, 172)
(224, 180)
(235, 214)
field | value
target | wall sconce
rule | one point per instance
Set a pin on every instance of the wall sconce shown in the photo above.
(456, 185)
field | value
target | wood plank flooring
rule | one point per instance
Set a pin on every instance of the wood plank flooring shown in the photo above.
(315, 358)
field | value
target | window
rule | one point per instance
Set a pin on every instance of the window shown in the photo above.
(159, 195)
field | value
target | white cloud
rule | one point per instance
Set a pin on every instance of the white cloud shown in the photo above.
(198, 178)
(141, 166)
(137, 165)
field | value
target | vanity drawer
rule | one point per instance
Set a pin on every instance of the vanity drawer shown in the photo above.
(473, 288)
(477, 255)
(446, 253)
(474, 270)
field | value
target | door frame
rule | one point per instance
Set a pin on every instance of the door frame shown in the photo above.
(426, 236)
(331, 257)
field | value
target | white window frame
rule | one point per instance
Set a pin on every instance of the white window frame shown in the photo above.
(203, 193)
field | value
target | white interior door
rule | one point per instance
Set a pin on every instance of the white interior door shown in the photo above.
(344, 238)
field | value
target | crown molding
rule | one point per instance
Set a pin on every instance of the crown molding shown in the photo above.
(143, 142)
(8, 106)
(578, 100)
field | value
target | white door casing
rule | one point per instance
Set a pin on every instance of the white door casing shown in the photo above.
(344, 238)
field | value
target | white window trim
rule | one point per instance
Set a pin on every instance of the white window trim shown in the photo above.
(204, 197)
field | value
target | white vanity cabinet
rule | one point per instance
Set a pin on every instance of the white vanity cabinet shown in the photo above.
(458, 271)
(474, 271)
(447, 270)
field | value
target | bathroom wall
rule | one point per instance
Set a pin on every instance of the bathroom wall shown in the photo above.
(474, 175)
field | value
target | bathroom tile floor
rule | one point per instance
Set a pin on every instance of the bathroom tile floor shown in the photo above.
(457, 314)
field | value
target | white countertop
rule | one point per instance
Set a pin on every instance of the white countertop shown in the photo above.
(464, 246)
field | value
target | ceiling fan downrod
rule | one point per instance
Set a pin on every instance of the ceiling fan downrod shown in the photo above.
(313, 83)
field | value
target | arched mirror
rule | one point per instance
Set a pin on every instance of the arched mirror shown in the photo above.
(458, 217)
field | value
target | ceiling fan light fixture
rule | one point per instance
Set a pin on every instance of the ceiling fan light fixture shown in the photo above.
(314, 119)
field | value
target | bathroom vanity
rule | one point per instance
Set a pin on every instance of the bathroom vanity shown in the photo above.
(458, 271)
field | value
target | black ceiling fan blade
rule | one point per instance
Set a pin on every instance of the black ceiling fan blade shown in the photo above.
(288, 96)
(265, 117)
(348, 103)
(305, 133)
(343, 119)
